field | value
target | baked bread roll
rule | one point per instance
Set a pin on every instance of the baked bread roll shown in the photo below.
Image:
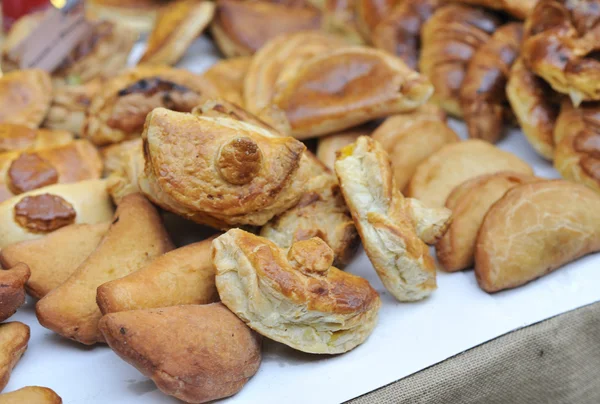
(14, 337)
(22, 138)
(297, 298)
(228, 76)
(36, 213)
(369, 13)
(411, 137)
(25, 171)
(339, 18)
(328, 146)
(12, 293)
(236, 23)
(449, 40)
(119, 111)
(25, 97)
(31, 394)
(453, 164)
(483, 94)
(534, 229)
(517, 8)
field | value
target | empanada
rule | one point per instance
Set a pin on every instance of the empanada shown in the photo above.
(228, 77)
(12, 290)
(297, 298)
(483, 94)
(32, 395)
(449, 40)
(328, 146)
(411, 137)
(517, 8)
(534, 229)
(455, 163)
(22, 138)
(339, 18)
(25, 97)
(14, 337)
(369, 13)
(176, 27)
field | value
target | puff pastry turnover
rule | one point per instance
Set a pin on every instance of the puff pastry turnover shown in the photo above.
(22, 138)
(369, 13)
(328, 146)
(228, 77)
(517, 8)
(25, 97)
(339, 18)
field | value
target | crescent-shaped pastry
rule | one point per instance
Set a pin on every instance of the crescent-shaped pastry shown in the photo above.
(25, 97)
(534, 229)
(411, 137)
(577, 135)
(449, 40)
(236, 23)
(31, 394)
(483, 94)
(15, 137)
(384, 221)
(228, 76)
(456, 248)
(119, 111)
(328, 146)
(177, 26)
(369, 13)
(297, 298)
(561, 47)
(453, 164)
(14, 337)
(339, 18)
(517, 8)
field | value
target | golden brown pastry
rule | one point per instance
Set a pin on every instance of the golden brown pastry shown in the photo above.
(339, 18)
(449, 40)
(561, 43)
(483, 94)
(127, 164)
(399, 32)
(32, 395)
(453, 164)
(411, 137)
(14, 337)
(384, 221)
(369, 13)
(534, 229)
(196, 353)
(119, 111)
(135, 237)
(22, 138)
(12, 291)
(139, 15)
(177, 26)
(517, 8)
(228, 76)
(25, 97)
(240, 28)
(36, 213)
(456, 248)
(297, 298)
(328, 146)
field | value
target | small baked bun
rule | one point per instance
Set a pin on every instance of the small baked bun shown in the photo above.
(411, 137)
(196, 353)
(455, 250)
(517, 8)
(534, 229)
(36, 213)
(384, 221)
(53, 258)
(25, 97)
(449, 40)
(297, 298)
(135, 237)
(14, 338)
(577, 136)
(22, 138)
(453, 164)
(339, 18)
(483, 93)
(119, 111)
(228, 76)
(176, 27)
(12, 293)
(31, 394)
(369, 13)
(399, 32)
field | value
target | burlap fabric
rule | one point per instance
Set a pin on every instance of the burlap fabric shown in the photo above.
(554, 361)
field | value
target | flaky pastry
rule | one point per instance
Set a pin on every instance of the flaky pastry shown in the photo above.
(328, 146)
(25, 97)
(369, 13)
(31, 394)
(14, 338)
(22, 138)
(228, 76)
(339, 18)
(127, 163)
(517, 8)
(139, 15)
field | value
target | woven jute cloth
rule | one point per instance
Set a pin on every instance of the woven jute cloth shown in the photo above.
(554, 361)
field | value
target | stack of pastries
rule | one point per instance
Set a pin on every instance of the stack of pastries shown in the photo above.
(182, 218)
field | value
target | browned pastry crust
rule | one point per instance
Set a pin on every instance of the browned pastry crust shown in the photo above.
(517, 8)
(535, 106)
(12, 289)
(562, 40)
(228, 78)
(139, 15)
(22, 138)
(25, 97)
(240, 28)
(14, 338)
(399, 32)
(31, 394)
(369, 13)
(577, 136)
(483, 94)
(328, 146)
(339, 18)
(449, 40)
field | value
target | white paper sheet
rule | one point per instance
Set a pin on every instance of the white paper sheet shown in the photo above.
(408, 338)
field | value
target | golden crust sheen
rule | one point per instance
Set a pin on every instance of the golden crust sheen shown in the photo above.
(369, 13)
(339, 18)
(21, 138)
(14, 337)
(31, 394)
(25, 97)
(534, 229)
(517, 8)
(228, 76)
(328, 146)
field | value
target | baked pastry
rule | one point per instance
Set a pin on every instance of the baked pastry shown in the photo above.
(119, 111)
(228, 76)
(517, 8)
(236, 22)
(53, 258)
(139, 15)
(127, 165)
(369, 13)
(449, 40)
(328, 146)
(22, 138)
(12, 293)
(182, 276)
(196, 353)
(219, 171)
(176, 27)
(534, 229)
(25, 171)
(561, 43)
(399, 32)
(483, 94)
(36, 213)
(31, 394)
(25, 97)
(535, 106)
(453, 164)
(386, 229)
(411, 137)
(297, 298)
(456, 248)
(14, 337)
(135, 237)
(339, 18)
